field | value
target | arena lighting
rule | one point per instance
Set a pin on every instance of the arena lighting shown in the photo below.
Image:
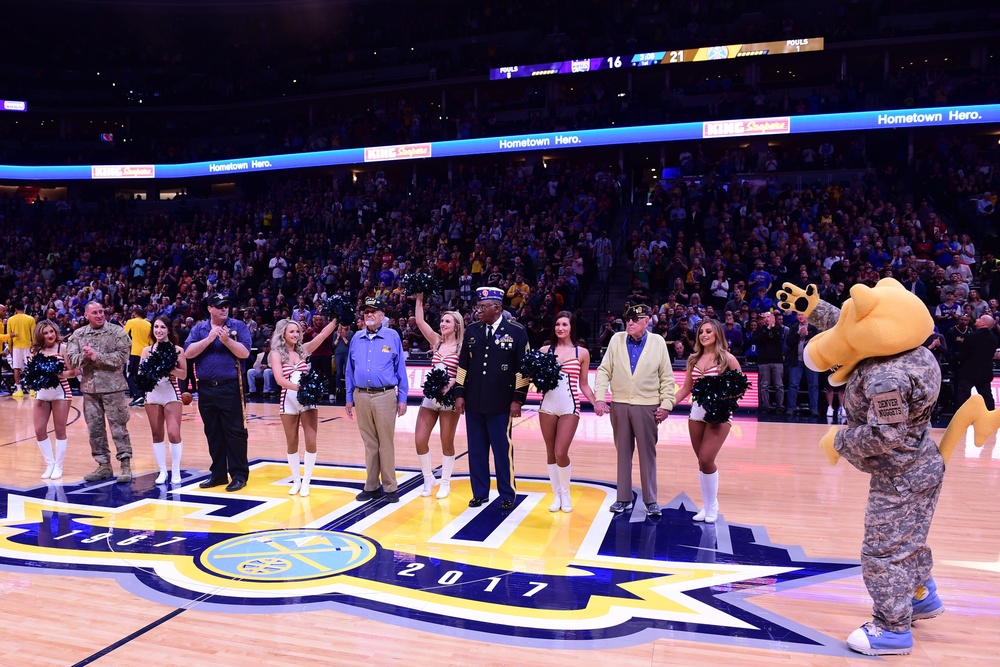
(652, 58)
(745, 127)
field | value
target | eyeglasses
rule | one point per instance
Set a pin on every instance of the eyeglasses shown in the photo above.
(636, 318)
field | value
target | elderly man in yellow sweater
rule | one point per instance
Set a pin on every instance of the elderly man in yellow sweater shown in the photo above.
(637, 368)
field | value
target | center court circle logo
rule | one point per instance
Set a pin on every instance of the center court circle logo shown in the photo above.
(287, 555)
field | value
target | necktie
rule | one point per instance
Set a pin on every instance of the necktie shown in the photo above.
(489, 331)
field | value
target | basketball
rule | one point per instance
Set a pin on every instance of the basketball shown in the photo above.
(186, 398)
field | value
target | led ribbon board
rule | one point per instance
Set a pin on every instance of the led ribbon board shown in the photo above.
(613, 136)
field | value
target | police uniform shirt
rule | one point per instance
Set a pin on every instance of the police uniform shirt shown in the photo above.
(216, 363)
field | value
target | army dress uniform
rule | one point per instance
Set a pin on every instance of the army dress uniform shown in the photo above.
(103, 385)
(489, 379)
(888, 403)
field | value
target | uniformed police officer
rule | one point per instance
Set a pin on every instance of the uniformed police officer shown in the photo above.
(101, 349)
(218, 345)
(490, 391)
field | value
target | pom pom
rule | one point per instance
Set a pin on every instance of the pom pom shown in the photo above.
(311, 388)
(720, 394)
(419, 283)
(159, 364)
(42, 372)
(543, 369)
(434, 385)
(338, 307)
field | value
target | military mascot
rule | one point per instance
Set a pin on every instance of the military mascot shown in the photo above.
(873, 345)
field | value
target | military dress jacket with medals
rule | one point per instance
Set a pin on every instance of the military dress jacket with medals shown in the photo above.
(489, 370)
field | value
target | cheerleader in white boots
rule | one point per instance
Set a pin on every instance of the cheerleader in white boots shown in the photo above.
(446, 346)
(163, 405)
(559, 413)
(711, 357)
(289, 361)
(54, 401)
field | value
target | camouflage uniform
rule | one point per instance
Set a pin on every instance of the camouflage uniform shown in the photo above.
(104, 386)
(888, 403)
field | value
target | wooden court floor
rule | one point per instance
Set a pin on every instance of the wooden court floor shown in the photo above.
(109, 574)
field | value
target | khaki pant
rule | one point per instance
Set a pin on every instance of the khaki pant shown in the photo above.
(635, 426)
(376, 415)
(114, 407)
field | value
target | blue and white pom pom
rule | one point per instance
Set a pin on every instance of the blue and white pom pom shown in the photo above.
(420, 283)
(339, 308)
(435, 382)
(42, 372)
(159, 364)
(311, 388)
(720, 394)
(543, 369)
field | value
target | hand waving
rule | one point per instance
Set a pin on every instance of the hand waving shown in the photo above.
(794, 298)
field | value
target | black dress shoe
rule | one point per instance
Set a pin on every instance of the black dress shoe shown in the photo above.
(370, 495)
(392, 497)
(476, 502)
(236, 485)
(209, 483)
(506, 504)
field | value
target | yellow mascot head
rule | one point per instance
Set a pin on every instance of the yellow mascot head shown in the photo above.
(878, 321)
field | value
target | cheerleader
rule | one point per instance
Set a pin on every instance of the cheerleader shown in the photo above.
(559, 413)
(55, 401)
(447, 346)
(163, 403)
(711, 356)
(288, 361)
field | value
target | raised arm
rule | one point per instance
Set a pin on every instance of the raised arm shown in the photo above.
(323, 334)
(820, 314)
(433, 337)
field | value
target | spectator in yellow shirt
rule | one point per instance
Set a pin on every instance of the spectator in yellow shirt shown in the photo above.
(140, 331)
(20, 328)
(4, 338)
(518, 293)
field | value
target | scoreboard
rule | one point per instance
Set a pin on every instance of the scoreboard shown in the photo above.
(651, 58)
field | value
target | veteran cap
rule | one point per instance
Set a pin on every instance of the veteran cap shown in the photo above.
(638, 310)
(489, 294)
(375, 303)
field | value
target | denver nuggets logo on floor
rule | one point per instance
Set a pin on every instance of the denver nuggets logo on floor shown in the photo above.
(287, 555)
(527, 577)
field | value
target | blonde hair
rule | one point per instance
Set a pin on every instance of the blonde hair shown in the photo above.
(38, 340)
(459, 327)
(719, 350)
(278, 340)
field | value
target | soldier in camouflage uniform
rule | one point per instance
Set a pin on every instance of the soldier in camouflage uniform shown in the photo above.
(888, 402)
(101, 349)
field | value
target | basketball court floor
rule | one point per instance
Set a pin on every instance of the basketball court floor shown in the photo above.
(139, 574)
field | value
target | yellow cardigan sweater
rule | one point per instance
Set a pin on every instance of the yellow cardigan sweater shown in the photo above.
(653, 382)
